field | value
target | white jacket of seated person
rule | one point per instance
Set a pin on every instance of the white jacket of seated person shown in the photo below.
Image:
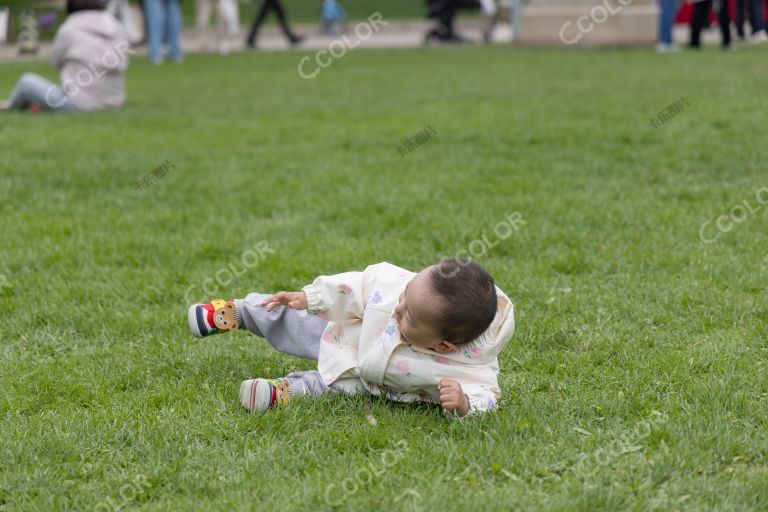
(91, 51)
(361, 348)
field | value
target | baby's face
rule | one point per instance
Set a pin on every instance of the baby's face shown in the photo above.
(416, 314)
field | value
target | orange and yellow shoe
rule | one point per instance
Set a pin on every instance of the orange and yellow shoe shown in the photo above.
(215, 317)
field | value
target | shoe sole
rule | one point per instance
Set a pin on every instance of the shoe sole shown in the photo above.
(254, 393)
(193, 319)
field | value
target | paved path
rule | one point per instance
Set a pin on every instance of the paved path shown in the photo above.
(397, 34)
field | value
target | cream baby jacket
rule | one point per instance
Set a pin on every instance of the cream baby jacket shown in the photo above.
(361, 348)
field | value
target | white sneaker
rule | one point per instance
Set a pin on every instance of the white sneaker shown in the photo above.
(667, 48)
(260, 395)
(759, 37)
(216, 317)
(501, 33)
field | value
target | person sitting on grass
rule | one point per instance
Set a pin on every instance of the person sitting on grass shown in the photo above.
(91, 52)
(432, 337)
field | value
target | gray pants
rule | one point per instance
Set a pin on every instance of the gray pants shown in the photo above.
(34, 89)
(290, 331)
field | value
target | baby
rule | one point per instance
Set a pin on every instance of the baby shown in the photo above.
(431, 337)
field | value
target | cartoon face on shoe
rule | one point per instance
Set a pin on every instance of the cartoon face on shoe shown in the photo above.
(224, 317)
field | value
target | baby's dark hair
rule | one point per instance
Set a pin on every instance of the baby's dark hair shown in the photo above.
(469, 297)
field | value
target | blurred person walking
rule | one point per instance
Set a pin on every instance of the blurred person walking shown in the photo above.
(266, 6)
(700, 21)
(754, 10)
(668, 11)
(445, 12)
(90, 51)
(164, 27)
(227, 20)
(333, 18)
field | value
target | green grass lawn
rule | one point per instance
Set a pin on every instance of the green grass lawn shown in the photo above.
(636, 378)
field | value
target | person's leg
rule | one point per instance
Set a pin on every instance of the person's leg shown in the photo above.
(699, 21)
(724, 18)
(155, 17)
(33, 89)
(266, 5)
(231, 12)
(173, 29)
(307, 383)
(445, 18)
(447, 14)
(667, 20)
(287, 330)
(228, 24)
(739, 21)
(756, 16)
(283, 19)
(202, 14)
(260, 395)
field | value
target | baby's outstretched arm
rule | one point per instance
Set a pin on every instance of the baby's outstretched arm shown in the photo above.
(339, 297)
(294, 300)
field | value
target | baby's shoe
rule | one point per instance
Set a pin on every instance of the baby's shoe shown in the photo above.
(218, 316)
(260, 395)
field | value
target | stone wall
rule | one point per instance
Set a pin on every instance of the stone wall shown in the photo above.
(577, 23)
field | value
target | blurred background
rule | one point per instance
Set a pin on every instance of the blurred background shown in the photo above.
(27, 28)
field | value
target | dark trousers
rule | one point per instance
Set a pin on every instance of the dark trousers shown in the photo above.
(266, 6)
(701, 20)
(445, 12)
(754, 11)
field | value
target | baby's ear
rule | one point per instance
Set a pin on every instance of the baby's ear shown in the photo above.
(446, 347)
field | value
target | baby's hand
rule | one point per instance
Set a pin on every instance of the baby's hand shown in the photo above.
(452, 397)
(294, 300)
